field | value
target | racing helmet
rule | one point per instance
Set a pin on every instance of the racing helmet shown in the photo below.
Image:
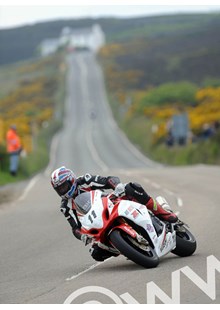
(64, 182)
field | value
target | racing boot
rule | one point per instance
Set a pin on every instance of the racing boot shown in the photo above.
(161, 209)
(101, 252)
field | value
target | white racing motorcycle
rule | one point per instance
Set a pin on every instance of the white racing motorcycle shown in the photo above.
(131, 228)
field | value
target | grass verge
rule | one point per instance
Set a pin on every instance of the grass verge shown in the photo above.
(138, 130)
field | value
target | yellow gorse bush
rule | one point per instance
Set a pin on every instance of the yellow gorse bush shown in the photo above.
(208, 94)
(124, 83)
(112, 50)
(206, 111)
(160, 113)
(27, 106)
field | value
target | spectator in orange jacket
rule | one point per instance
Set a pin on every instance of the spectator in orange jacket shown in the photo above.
(13, 149)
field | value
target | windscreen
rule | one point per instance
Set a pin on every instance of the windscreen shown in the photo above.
(83, 202)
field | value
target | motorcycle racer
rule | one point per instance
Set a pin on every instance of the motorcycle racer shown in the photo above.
(68, 187)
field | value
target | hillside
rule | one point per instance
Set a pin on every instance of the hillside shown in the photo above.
(155, 67)
(31, 96)
(167, 69)
(171, 49)
(21, 43)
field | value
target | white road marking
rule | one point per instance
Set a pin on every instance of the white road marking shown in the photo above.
(94, 153)
(52, 161)
(47, 171)
(86, 270)
(85, 94)
(179, 202)
(167, 191)
(148, 162)
(155, 185)
(29, 187)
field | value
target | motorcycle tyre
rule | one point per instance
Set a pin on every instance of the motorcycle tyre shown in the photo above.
(120, 243)
(185, 243)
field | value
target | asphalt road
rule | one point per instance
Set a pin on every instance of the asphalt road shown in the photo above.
(41, 262)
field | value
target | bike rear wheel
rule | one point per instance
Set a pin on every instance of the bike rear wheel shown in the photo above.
(185, 243)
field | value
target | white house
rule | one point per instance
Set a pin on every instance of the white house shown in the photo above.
(92, 38)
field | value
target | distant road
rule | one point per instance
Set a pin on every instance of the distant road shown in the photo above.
(41, 262)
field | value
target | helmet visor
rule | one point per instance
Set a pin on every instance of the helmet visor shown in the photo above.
(63, 188)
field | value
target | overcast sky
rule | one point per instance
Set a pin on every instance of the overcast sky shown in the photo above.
(13, 15)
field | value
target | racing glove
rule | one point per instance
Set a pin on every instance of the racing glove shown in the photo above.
(112, 181)
(119, 190)
(86, 239)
